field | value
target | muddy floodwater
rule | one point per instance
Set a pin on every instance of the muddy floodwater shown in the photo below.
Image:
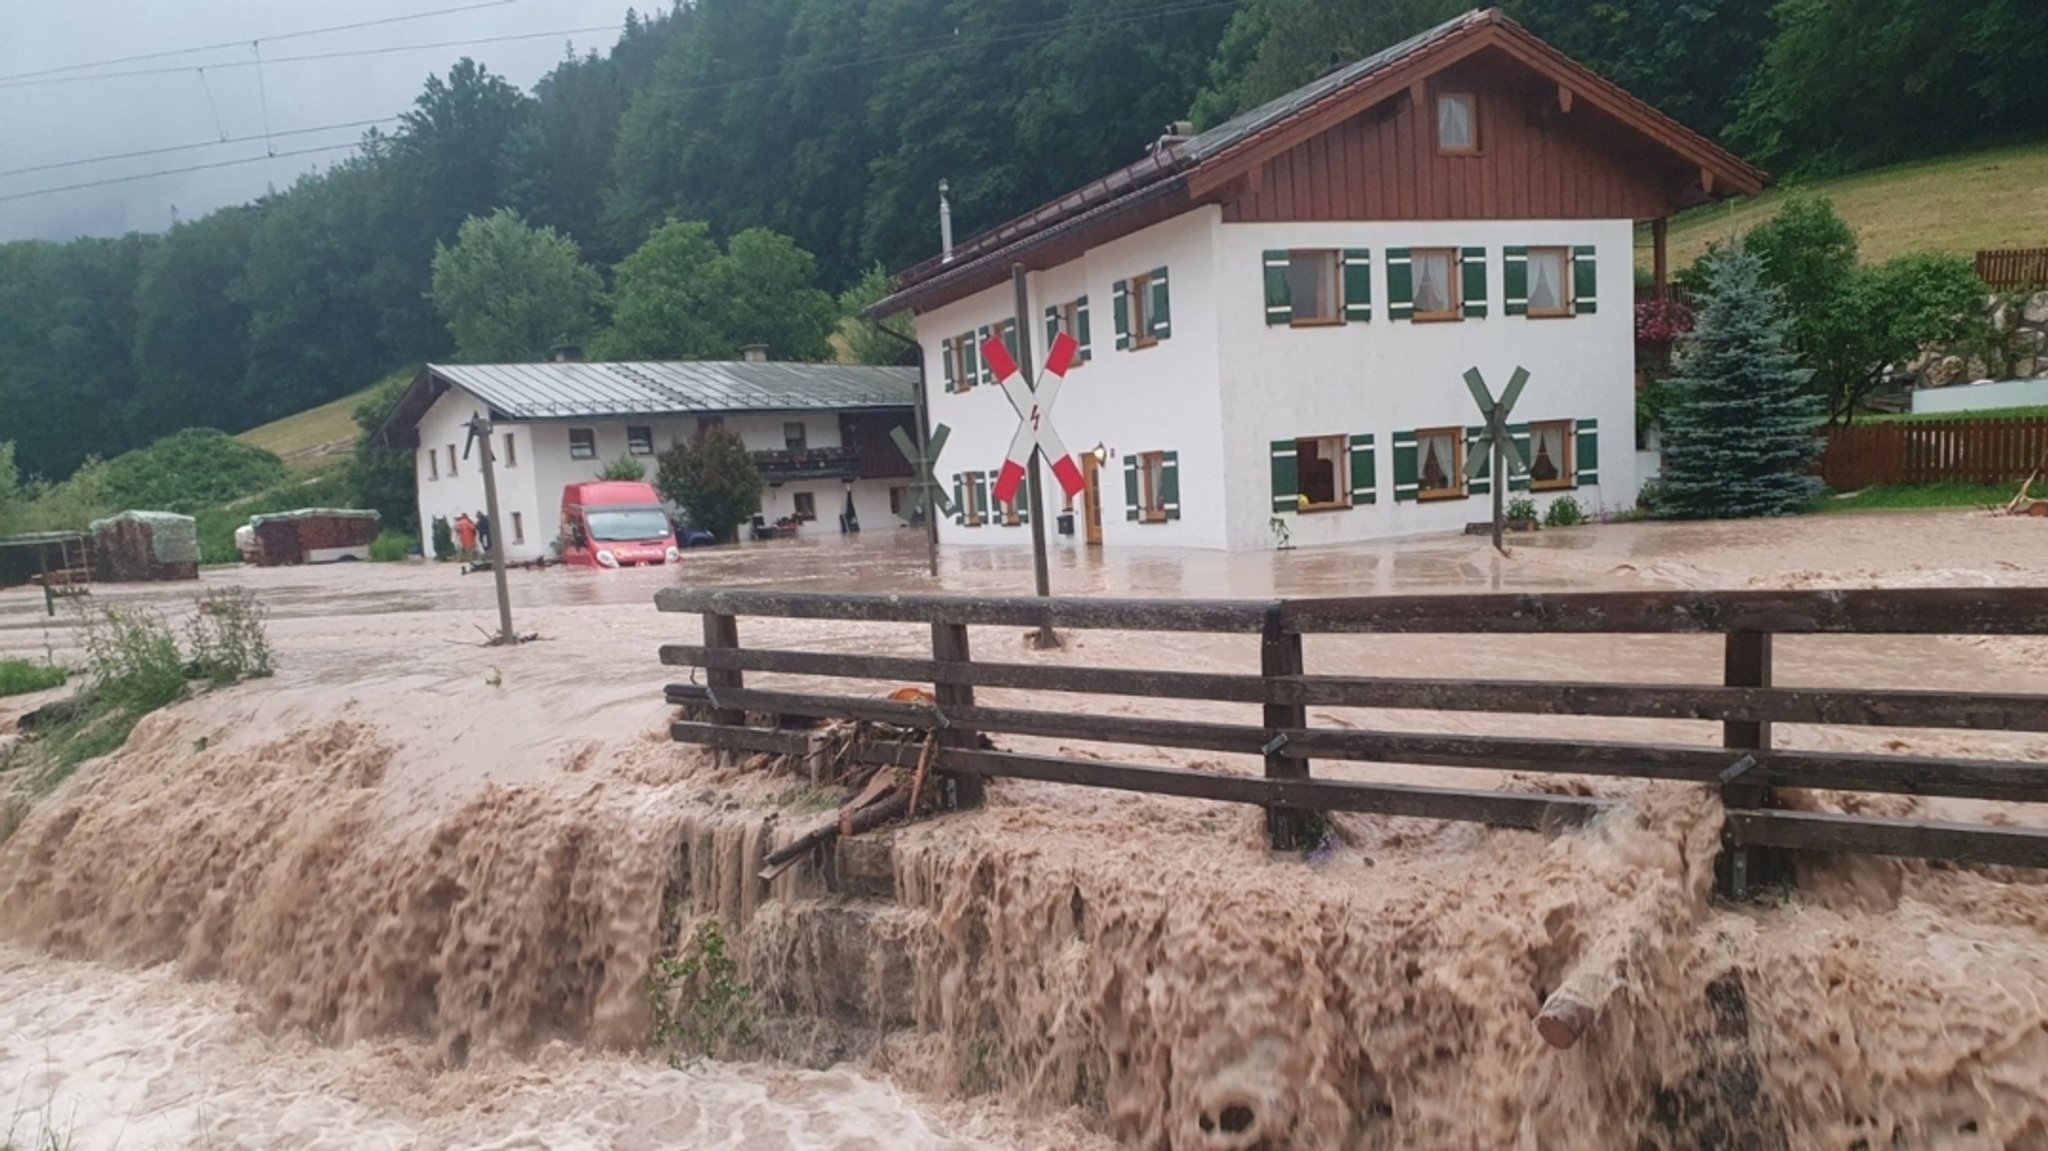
(404, 893)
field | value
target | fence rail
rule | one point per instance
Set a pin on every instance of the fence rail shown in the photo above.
(1746, 768)
(2013, 269)
(1949, 451)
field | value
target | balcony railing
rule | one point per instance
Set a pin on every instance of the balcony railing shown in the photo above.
(807, 463)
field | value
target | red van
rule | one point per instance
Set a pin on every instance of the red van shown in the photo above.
(615, 524)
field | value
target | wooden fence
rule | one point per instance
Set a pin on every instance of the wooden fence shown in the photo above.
(1746, 768)
(1951, 451)
(2013, 269)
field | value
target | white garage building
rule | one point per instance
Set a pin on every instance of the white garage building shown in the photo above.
(819, 433)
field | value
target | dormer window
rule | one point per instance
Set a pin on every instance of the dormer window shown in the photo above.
(1457, 123)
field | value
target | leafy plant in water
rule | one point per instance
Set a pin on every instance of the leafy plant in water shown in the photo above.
(1564, 512)
(133, 659)
(227, 637)
(1521, 510)
(700, 1007)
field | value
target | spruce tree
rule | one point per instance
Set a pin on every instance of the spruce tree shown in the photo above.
(1739, 433)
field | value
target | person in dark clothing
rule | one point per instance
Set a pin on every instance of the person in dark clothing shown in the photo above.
(483, 532)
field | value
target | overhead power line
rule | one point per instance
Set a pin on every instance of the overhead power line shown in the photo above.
(300, 35)
(170, 148)
(176, 171)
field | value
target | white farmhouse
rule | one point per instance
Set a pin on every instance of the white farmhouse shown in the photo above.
(1275, 315)
(819, 433)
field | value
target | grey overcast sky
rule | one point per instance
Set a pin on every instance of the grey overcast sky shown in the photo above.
(199, 97)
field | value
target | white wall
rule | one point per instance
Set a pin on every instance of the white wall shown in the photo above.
(1982, 397)
(446, 423)
(1225, 385)
(1160, 398)
(1387, 376)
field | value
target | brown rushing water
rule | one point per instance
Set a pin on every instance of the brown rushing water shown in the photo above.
(424, 878)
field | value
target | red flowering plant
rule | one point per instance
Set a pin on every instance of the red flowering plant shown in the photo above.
(1662, 321)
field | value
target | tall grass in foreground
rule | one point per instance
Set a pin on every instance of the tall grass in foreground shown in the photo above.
(19, 676)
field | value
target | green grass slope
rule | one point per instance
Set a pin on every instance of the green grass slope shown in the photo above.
(312, 439)
(1959, 204)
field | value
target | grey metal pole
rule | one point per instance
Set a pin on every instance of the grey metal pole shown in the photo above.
(480, 427)
(1041, 576)
(1500, 477)
(924, 451)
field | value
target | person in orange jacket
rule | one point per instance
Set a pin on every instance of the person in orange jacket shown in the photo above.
(465, 534)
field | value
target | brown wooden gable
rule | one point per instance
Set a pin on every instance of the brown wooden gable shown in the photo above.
(1536, 160)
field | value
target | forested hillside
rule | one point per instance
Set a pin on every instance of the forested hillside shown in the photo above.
(830, 123)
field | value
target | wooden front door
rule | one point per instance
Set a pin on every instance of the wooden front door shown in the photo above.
(1091, 498)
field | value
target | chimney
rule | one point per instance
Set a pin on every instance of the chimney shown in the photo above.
(755, 353)
(568, 353)
(1178, 132)
(945, 226)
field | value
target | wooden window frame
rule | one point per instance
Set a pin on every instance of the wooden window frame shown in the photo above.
(963, 363)
(518, 528)
(1340, 479)
(1010, 515)
(1151, 478)
(1457, 438)
(1138, 297)
(632, 442)
(1568, 473)
(1565, 308)
(1333, 286)
(803, 436)
(511, 452)
(1454, 291)
(1069, 322)
(1436, 108)
(797, 500)
(590, 432)
(970, 508)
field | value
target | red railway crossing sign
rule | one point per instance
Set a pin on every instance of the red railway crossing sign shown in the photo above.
(1034, 415)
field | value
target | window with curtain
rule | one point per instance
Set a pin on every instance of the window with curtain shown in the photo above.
(1550, 283)
(1550, 454)
(1440, 463)
(1312, 287)
(1457, 122)
(1436, 283)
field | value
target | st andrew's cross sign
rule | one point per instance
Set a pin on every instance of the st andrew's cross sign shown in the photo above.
(1034, 415)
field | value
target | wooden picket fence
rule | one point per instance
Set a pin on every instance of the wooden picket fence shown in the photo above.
(2013, 269)
(1954, 451)
(728, 714)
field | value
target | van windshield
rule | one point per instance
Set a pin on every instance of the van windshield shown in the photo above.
(625, 525)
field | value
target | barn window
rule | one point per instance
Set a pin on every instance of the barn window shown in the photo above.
(806, 506)
(639, 440)
(1457, 123)
(582, 443)
(793, 436)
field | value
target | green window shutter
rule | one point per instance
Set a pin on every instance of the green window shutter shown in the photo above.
(1169, 483)
(1514, 275)
(1130, 487)
(1052, 325)
(1162, 307)
(1400, 290)
(1009, 329)
(1407, 466)
(1363, 470)
(981, 369)
(1279, 298)
(1121, 297)
(973, 361)
(959, 505)
(1585, 281)
(1473, 277)
(946, 359)
(1023, 508)
(1481, 484)
(1586, 461)
(1286, 477)
(1518, 481)
(1357, 285)
(1081, 323)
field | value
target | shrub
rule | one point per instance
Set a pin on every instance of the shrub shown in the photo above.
(714, 479)
(19, 676)
(700, 1008)
(444, 538)
(189, 470)
(390, 547)
(133, 659)
(624, 468)
(1564, 512)
(1521, 510)
(228, 640)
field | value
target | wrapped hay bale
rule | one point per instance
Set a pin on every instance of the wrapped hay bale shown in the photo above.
(313, 536)
(145, 547)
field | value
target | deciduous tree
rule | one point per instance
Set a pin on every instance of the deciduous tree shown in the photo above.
(714, 479)
(509, 292)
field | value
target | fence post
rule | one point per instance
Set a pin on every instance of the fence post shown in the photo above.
(723, 632)
(949, 645)
(1280, 655)
(1746, 662)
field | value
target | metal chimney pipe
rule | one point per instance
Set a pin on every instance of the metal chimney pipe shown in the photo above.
(755, 353)
(945, 226)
